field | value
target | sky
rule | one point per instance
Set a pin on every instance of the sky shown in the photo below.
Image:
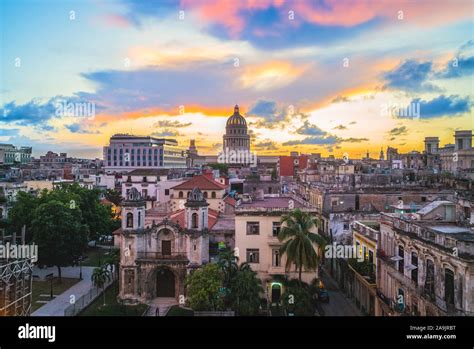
(320, 76)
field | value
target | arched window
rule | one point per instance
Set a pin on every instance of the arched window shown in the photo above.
(194, 220)
(213, 195)
(129, 220)
(449, 286)
(180, 195)
(205, 195)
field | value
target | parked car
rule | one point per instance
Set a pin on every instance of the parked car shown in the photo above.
(323, 295)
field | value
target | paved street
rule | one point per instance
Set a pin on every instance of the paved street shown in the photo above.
(338, 304)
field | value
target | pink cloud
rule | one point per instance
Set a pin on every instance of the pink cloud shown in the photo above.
(348, 13)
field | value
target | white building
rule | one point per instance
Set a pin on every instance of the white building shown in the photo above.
(127, 152)
(257, 224)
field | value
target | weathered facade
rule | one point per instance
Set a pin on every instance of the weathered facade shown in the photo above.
(155, 260)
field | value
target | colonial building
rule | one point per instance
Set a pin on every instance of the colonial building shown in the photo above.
(257, 224)
(213, 191)
(155, 259)
(425, 263)
(236, 138)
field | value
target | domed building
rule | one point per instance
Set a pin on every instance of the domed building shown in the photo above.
(236, 137)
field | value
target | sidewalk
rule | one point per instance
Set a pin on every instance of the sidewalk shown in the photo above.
(57, 306)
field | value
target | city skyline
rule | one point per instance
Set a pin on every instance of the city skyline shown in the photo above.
(308, 78)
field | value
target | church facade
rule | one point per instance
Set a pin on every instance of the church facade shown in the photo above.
(155, 260)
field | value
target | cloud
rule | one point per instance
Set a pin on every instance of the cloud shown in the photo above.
(340, 127)
(174, 123)
(398, 131)
(310, 130)
(31, 113)
(411, 76)
(462, 64)
(8, 132)
(165, 133)
(443, 106)
(267, 144)
(78, 128)
(270, 113)
(321, 140)
(354, 140)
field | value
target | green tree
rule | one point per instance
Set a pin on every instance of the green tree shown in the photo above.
(245, 290)
(22, 214)
(99, 278)
(59, 234)
(228, 263)
(297, 299)
(299, 242)
(203, 286)
(114, 196)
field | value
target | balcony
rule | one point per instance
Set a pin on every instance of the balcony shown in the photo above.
(162, 257)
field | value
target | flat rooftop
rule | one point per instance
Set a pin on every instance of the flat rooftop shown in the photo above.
(271, 202)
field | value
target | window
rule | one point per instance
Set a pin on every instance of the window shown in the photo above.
(213, 195)
(276, 262)
(401, 262)
(371, 257)
(167, 192)
(449, 287)
(253, 228)
(194, 220)
(180, 194)
(276, 228)
(414, 272)
(429, 283)
(253, 255)
(129, 220)
(205, 195)
(139, 219)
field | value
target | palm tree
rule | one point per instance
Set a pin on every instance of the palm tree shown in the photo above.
(228, 262)
(99, 277)
(299, 241)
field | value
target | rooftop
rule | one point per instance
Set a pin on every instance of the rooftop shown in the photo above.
(202, 182)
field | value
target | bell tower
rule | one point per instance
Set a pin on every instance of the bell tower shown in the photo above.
(196, 214)
(133, 211)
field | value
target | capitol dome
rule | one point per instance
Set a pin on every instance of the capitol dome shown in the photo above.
(236, 137)
(236, 120)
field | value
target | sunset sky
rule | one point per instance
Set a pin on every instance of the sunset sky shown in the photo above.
(309, 76)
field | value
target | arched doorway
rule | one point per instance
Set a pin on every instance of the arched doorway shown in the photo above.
(276, 293)
(165, 283)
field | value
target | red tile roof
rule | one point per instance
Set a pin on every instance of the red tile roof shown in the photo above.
(179, 217)
(230, 201)
(202, 182)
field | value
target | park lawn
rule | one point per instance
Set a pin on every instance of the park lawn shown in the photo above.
(112, 307)
(175, 310)
(94, 256)
(44, 287)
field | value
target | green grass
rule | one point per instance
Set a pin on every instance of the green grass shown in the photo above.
(94, 255)
(112, 307)
(44, 287)
(177, 311)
